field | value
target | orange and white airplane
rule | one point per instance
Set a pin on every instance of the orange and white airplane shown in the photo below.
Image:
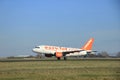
(59, 52)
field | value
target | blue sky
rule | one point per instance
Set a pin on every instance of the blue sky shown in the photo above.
(25, 24)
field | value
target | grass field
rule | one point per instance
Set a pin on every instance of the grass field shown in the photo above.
(80, 69)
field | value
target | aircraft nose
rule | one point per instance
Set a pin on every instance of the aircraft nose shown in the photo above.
(33, 50)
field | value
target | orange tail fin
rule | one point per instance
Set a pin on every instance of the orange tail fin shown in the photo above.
(88, 45)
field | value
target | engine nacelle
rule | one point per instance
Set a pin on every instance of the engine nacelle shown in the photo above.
(58, 54)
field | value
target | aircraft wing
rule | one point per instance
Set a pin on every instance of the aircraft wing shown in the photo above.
(67, 52)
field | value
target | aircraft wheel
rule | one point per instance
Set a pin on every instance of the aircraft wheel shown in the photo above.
(65, 58)
(58, 58)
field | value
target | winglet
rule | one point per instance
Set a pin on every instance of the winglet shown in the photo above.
(88, 45)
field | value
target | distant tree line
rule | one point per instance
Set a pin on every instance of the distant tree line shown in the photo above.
(105, 54)
(118, 54)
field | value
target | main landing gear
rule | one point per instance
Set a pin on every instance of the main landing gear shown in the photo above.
(65, 58)
(58, 58)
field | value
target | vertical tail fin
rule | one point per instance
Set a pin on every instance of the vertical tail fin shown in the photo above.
(88, 45)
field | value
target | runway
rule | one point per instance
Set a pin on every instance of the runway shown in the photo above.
(54, 59)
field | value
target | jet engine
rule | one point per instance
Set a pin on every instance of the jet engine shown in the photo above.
(58, 55)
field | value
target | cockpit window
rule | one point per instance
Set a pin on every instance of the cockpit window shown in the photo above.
(37, 47)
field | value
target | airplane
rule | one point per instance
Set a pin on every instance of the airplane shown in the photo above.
(60, 52)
